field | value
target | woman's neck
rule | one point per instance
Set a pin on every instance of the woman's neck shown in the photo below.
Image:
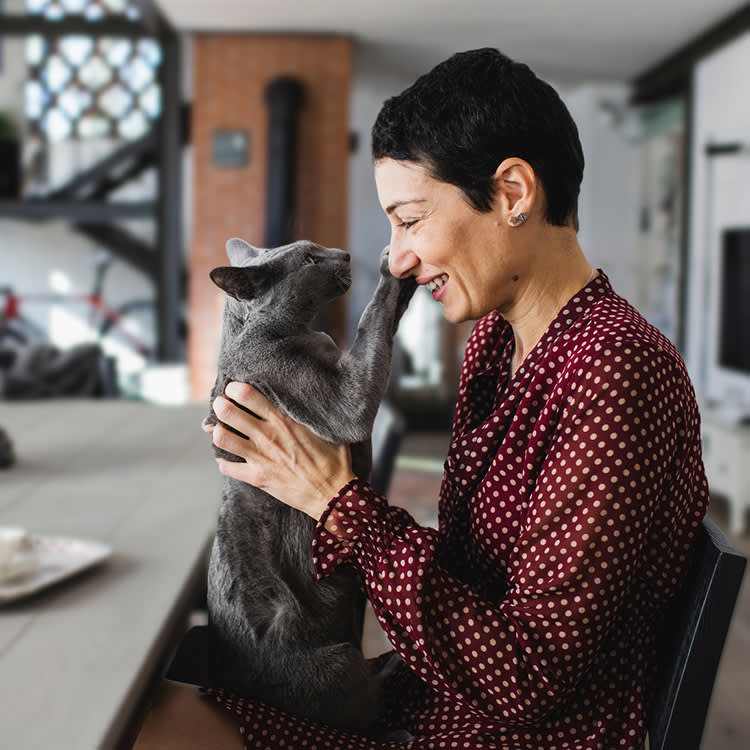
(561, 273)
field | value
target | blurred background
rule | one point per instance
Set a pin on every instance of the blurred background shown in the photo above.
(136, 137)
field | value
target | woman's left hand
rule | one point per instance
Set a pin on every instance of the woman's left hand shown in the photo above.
(282, 457)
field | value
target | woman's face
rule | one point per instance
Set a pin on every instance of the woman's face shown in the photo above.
(457, 252)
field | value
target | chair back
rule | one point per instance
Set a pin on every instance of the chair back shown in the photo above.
(694, 639)
(387, 432)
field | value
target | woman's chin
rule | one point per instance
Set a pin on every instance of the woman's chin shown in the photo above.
(453, 315)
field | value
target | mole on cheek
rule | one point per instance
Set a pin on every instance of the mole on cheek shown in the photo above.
(515, 277)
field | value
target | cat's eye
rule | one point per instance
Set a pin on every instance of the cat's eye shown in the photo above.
(310, 260)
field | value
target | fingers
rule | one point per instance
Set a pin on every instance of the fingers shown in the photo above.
(282, 457)
(249, 398)
(230, 442)
(245, 472)
(247, 422)
(246, 407)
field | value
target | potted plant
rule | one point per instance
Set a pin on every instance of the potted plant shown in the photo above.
(10, 156)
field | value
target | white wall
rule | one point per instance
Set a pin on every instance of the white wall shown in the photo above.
(608, 203)
(720, 187)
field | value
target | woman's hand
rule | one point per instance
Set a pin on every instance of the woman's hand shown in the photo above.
(283, 458)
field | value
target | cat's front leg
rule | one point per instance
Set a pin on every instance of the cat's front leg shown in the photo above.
(347, 398)
(381, 316)
(405, 287)
(368, 362)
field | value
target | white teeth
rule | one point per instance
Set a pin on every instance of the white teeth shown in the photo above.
(436, 283)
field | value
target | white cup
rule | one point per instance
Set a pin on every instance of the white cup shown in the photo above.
(11, 538)
(17, 556)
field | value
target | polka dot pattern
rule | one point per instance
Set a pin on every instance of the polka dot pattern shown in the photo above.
(572, 494)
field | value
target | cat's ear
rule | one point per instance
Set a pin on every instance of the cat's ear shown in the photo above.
(239, 251)
(241, 283)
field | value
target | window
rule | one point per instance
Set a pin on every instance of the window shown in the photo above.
(91, 87)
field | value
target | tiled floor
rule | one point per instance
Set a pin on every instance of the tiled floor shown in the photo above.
(415, 486)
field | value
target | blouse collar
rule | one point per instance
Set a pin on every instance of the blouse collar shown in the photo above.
(578, 308)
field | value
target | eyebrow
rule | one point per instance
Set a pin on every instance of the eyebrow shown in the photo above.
(395, 205)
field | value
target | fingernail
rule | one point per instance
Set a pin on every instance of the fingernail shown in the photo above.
(232, 389)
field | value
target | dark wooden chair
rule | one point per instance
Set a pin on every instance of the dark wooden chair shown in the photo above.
(387, 433)
(695, 635)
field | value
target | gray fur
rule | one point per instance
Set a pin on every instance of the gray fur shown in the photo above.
(295, 641)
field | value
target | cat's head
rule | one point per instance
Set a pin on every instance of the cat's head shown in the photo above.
(295, 281)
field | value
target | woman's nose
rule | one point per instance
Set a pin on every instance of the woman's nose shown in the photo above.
(401, 260)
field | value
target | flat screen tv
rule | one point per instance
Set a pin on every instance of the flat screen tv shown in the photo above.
(734, 303)
(729, 369)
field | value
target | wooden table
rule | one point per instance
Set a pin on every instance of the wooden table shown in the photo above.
(77, 658)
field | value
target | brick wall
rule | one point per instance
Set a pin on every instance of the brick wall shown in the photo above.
(230, 74)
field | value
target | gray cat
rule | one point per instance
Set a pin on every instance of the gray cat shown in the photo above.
(288, 638)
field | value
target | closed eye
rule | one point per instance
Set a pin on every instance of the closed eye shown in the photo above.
(408, 224)
(310, 260)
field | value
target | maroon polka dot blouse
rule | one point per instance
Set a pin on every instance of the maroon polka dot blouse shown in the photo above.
(571, 496)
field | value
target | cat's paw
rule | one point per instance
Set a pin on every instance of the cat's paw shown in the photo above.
(385, 269)
(405, 286)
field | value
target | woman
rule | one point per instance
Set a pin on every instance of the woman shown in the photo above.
(573, 486)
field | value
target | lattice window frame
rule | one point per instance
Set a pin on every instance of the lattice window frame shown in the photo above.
(82, 87)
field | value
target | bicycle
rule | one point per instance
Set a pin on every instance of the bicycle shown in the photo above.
(127, 332)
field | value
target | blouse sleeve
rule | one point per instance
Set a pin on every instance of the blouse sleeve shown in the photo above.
(614, 445)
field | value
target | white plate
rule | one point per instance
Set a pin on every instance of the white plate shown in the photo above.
(59, 558)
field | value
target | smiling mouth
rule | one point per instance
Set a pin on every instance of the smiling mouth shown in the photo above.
(437, 282)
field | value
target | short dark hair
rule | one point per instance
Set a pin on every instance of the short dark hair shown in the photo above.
(472, 111)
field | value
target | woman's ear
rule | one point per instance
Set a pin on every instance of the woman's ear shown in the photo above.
(516, 190)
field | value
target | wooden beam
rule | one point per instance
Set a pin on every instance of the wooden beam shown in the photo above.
(86, 181)
(77, 210)
(169, 233)
(18, 25)
(124, 244)
(151, 18)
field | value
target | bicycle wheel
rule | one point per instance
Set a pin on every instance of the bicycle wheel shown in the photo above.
(135, 325)
(131, 335)
(22, 331)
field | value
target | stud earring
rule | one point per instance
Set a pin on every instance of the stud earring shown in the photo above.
(518, 219)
